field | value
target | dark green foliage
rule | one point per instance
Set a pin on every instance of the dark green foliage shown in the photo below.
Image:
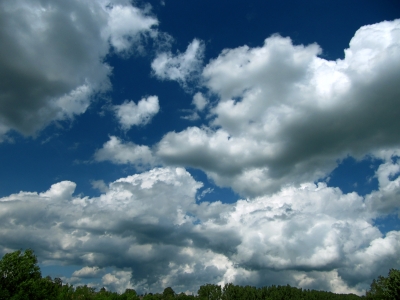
(236, 292)
(393, 284)
(386, 287)
(209, 292)
(150, 296)
(183, 296)
(168, 293)
(65, 292)
(18, 273)
(129, 294)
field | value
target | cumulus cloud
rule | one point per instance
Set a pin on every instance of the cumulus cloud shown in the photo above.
(118, 280)
(183, 67)
(285, 115)
(385, 200)
(151, 233)
(126, 25)
(87, 272)
(52, 53)
(199, 101)
(119, 152)
(130, 114)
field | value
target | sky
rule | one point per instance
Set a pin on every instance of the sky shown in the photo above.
(175, 143)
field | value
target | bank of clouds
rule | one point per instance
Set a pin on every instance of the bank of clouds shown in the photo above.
(280, 117)
(149, 228)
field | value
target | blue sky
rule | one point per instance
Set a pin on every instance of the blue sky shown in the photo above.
(176, 143)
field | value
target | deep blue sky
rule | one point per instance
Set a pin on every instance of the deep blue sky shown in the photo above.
(341, 143)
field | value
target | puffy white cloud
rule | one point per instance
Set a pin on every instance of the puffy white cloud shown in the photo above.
(88, 272)
(149, 228)
(129, 113)
(118, 280)
(126, 24)
(199, 101)
(285, 115)
(118, 152)
(183, 67)
(386, 199)
(52, 53)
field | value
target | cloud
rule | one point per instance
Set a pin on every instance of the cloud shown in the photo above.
(130, 114)
(87, 272)
(285, 115)
(194, 116)
(149, 232)
(199, 101)
(183, 67)
(282, 119)
(118, 280)
(385, 200)
(99, 185)
(126, 25)
(52, 56)
(204, 193)
(119, 152)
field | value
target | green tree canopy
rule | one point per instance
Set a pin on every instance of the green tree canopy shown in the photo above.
(17, 270)
(210, 292)
(168, 293)
(385, 287)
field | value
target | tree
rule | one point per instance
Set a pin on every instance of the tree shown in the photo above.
(230, 292)
(385, 287)
(168, 293)
(183, 296)
(150, 296)
(130, 294)
(18, 270)
(210, 292)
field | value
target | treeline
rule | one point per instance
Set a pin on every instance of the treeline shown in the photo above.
(20, 279)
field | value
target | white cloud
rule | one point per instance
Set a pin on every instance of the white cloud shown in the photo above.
(130, 114)
(119, 152)
(386, 199)
(126, 24)
(312, 236)
(51, 56)
(183, 67)
(205, 192)
(199, 101)
(88, 272)
(118, 280)
(99, 185)
(285, 115)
